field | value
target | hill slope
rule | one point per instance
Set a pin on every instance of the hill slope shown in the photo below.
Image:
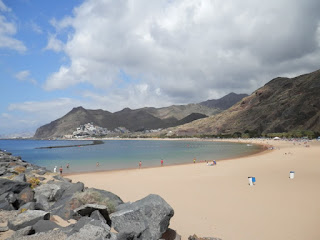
(224, 102)
(134, 120)
(283, 104)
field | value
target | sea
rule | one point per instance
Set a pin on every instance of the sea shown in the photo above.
(122, 154)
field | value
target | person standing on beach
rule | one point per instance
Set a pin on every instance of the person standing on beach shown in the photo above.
(68, 165)
(194, 160)
(55, 169)
(97, 164)
(140, 164)
(161, 162)
(60, 170)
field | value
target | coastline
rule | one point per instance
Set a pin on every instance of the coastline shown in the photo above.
(217, 200)
(263, 150)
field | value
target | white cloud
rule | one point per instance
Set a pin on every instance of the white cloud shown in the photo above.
(36, 28)
(7, 30)
(3, 7)
(54, 44)
(25, 76)
(185, 50)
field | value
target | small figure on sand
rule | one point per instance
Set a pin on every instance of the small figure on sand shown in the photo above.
(68, 165)
(194, 160)
(61, 169)
(97, 164)
(140, 164)
(55, 169)
(161, 162)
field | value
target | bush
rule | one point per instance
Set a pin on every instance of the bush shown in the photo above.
(33, 181)
(20, 169)
(94, 197)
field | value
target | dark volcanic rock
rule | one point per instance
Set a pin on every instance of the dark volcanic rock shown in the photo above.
(25, 196)
(27, 218)
(29, 205)
(87, 209)
(58, 177)
(12, 186)
(147, 218)
(20, 178)
(22, 232)
(116, 200)
(45, 226)
(97, 216)
(88, 228)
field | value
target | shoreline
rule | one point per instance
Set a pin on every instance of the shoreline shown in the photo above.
(263, 150)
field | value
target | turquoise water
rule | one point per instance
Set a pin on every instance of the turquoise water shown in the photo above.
(122, 154)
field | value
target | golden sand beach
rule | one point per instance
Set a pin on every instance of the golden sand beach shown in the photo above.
(217, 201)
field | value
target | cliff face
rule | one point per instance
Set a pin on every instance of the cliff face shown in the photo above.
(283, 104)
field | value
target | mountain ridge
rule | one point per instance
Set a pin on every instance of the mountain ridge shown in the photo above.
(133, 119)
(281, 105)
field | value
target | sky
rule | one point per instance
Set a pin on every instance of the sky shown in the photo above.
(110, 54)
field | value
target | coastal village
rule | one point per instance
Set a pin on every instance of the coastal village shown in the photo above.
(91, 130)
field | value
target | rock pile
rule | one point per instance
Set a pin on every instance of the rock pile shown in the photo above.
(37, 197)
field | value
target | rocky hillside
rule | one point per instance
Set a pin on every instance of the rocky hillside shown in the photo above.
(133, 120)
(224, 102)
(283, 104)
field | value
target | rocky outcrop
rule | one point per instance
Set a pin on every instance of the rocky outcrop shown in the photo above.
(147, 218)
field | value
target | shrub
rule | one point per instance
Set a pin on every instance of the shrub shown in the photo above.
(20, 169)
(94, 197)
(33, 181)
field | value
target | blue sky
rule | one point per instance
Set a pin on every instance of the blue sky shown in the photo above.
(107, 54)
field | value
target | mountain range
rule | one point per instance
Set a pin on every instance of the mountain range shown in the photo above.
(281, 105)
(134, 120)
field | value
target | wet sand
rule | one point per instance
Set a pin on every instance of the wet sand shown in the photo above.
(216, 201)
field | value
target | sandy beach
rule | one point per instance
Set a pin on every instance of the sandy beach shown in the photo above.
(216, 201)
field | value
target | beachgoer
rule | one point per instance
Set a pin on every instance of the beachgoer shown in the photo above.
(55, 169)
(194, 160)
(140, 164)
(68, 165)
(97, 164)
(60, 170)
(161, 162)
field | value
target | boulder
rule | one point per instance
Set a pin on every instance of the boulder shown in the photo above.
(147, 218)
(52, 192)
(12, 186)
(89, 229)
(42, 171)
(4, 228)
(58, 177)
(2, 171)
(25, 196)
(88, 209)
(65, 206)
(28, 206)
(116, 200)
(5, 202)
(22, 232)
(45, 226)
(97, 216)
(27, 218)
(42, 203)
(20, 178)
